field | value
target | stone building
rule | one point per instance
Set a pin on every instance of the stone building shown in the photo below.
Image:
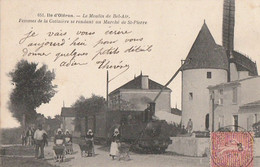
(138, 93)
(249, 114)
(235, 103)
(68, 116)
(209, 64)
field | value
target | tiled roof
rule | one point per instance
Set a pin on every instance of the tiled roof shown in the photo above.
(176, 111)
(205, 53)
(236, 82)
(251, 105)
(243, 63)
(68, 112)
(136, 83)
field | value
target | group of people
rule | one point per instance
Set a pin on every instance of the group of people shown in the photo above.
(27, 137)
(38, 138)
(87, 144)
(62, 144)
(61, 138)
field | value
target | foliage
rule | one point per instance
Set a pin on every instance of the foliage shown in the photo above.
(23, 161)
(175, 130)
(52, 124)
(32, 87)
(11, 136)
(83, 106)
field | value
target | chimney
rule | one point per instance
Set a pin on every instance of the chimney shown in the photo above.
(145, 81)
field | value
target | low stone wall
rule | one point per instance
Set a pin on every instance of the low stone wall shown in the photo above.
(256, 147)
(198, 147)
(190, 146)
(17, 150)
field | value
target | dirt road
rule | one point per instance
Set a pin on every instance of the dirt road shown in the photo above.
(102, 159)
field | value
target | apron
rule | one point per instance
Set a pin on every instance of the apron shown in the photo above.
(114, 149)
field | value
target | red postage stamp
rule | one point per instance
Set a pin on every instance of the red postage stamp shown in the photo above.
(232, 149)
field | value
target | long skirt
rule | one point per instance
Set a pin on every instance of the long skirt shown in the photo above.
(114, 149)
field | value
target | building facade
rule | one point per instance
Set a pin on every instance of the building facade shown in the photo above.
(230, 103)
(138, 93)
(249, 114)
(209, 64)
(68, 116)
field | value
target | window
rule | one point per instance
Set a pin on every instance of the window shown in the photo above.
(207, 121)
(191, 96)
(234, 99)
(220, 101)
(209, 75)
(221, 121)
(235, 122)
(221, 91)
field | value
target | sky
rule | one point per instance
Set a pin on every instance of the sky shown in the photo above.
(172, 27)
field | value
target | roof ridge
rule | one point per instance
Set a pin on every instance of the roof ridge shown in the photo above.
(235, 81)
(152, 84)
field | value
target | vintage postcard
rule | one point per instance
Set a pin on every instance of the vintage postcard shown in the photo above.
(158, 83)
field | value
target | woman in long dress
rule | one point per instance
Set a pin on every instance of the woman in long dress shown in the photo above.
(115, 144)
(90, 138)
(59, 148)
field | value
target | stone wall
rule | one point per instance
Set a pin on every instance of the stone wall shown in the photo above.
(198, 147)
(190, 146)
(256, 147)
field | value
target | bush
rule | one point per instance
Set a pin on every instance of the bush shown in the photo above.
(11, 136)
(175, 130)
(202, 134)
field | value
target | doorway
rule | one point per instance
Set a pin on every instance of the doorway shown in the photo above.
(236, 122)
(207, 122)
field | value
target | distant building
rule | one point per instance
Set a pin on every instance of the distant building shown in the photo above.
(235, 103)
(208, 64)
(249, 114)
(138, 93)
(177, 115)
(176, 111)
(173, 117)
(68, 116)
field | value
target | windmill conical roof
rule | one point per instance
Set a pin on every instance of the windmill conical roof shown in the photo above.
(205, 53)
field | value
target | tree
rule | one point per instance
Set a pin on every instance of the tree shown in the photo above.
(32, 87)
(83, 106)
(53, 124)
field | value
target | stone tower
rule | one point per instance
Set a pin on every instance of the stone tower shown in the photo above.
(208, 65)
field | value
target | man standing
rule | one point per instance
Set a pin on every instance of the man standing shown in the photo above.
(39, 142)
(23, 137)
(189, 126)
(29, 134)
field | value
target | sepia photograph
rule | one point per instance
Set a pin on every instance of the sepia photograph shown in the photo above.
(148, 83)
